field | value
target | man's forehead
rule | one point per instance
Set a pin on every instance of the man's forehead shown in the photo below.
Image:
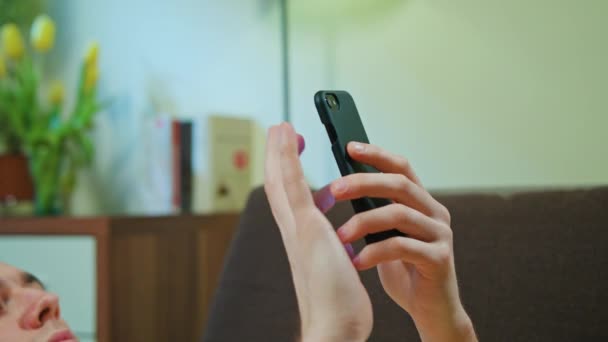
(10, 273)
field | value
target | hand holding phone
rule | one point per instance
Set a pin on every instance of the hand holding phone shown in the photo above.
(339, 114)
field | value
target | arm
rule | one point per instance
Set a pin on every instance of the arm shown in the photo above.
(416, 271)
(332, 301)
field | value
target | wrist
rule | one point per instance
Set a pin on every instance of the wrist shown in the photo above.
(329, 337)
(335, 333)
(321, 338)
(449, 326)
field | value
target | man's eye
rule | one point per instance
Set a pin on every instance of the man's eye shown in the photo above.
(3, 301)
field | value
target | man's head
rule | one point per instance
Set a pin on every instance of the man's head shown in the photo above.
(27, 312)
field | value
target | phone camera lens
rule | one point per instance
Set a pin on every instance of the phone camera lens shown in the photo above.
(332, 101)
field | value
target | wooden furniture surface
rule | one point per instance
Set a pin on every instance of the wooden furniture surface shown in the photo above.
(155, 275)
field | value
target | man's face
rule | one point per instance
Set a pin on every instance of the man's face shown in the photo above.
(27, 312)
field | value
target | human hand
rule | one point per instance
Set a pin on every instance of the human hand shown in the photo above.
(416, 271)
(332, 301)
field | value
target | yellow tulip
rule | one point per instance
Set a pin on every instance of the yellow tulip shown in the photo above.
(12, 41)
(91, 76)
(2, 67)
(90, 58)
(43, 33)
(56, 93)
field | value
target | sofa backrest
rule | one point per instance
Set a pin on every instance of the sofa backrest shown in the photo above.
(531, 267)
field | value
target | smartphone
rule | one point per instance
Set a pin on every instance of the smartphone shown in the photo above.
(339, 114)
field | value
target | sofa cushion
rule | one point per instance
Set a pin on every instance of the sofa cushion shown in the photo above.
(531, 267)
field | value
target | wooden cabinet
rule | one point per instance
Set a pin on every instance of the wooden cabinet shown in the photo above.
(154, 277)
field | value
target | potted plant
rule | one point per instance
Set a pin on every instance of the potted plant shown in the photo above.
(33, 125)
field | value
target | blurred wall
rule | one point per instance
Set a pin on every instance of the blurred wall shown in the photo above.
(194, 58)
(475, 93)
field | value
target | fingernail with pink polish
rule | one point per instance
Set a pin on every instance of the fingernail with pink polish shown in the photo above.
(325, 199)
(356, 261)
(301, 144)
(350, 250)
(342, 232)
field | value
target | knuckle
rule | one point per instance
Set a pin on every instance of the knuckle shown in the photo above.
(403, 179)
(356, 222)
(354, 183)
(402, 163)
(372, 150)
(445, 213)
(443, 254)
(410, 186)
(445, 233)
(404, 182)
(399, 245)
(400, 212)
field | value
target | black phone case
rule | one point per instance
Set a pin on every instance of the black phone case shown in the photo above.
(343, 125)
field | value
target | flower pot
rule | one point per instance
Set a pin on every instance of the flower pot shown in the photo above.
(16, 182)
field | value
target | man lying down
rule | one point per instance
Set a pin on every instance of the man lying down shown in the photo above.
(27, 311)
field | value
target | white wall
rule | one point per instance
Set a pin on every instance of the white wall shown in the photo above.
(475, 93)
(195, 57)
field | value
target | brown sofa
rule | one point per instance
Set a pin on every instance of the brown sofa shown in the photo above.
(531, 267)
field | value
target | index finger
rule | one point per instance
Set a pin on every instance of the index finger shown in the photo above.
(272, 182)
(382, 160)
(294, 182)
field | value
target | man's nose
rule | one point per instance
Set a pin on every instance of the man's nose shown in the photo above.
(43, 308)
